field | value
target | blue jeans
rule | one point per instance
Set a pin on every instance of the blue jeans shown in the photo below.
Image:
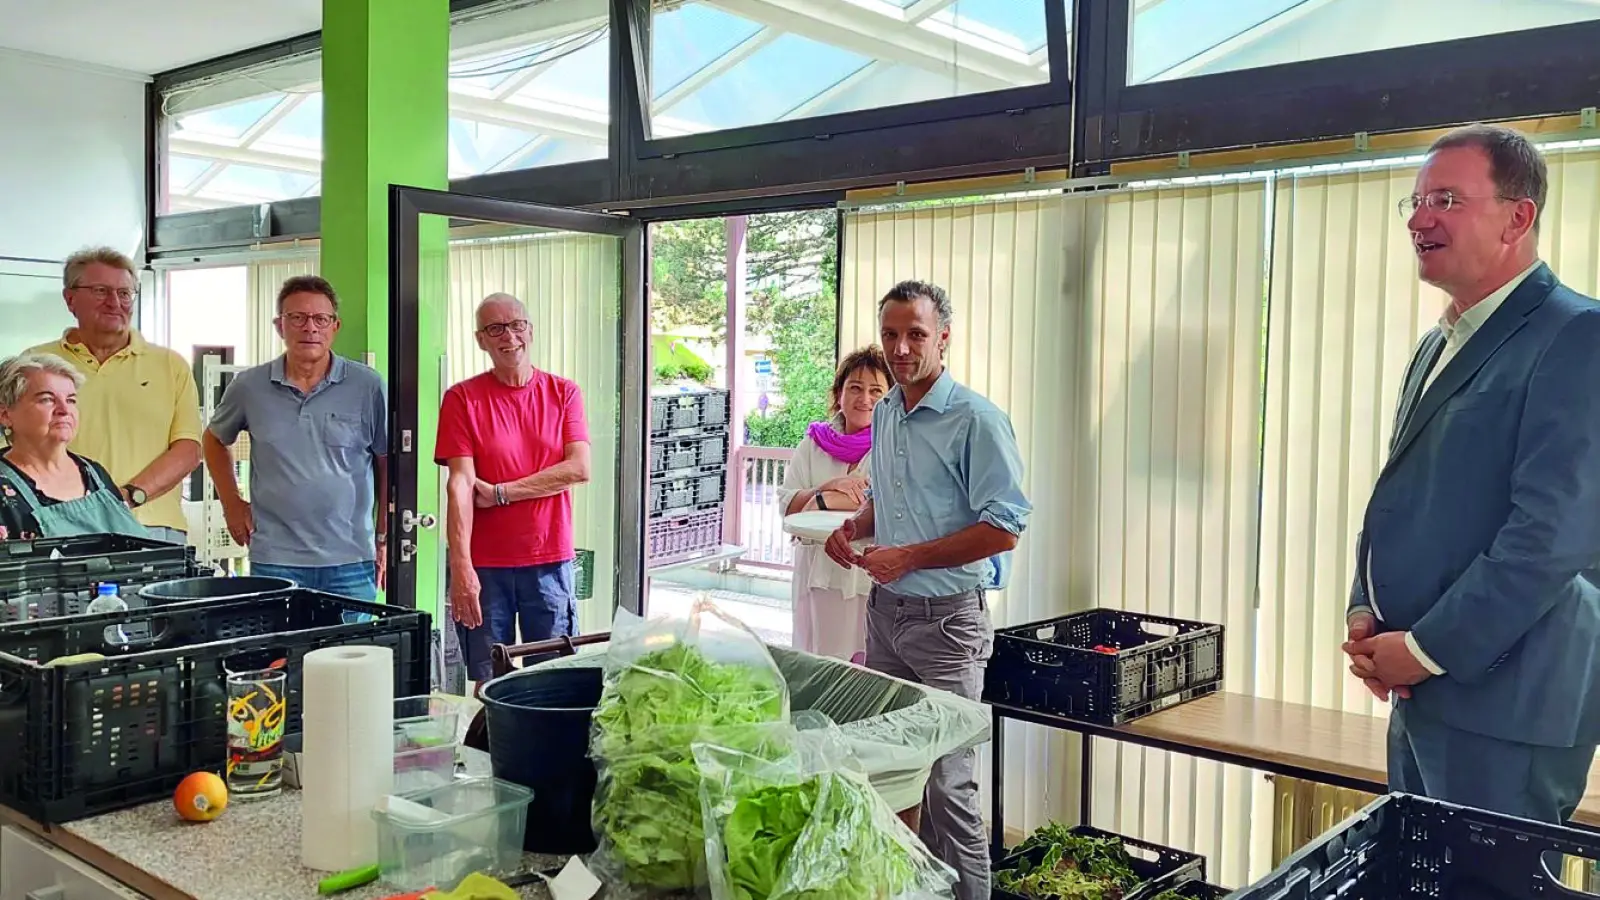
(538, 600)
(358, 581)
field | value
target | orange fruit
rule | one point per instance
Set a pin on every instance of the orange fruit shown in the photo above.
(201, 797)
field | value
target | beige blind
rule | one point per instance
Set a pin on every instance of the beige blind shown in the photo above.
(1122, 333)
(262, 281)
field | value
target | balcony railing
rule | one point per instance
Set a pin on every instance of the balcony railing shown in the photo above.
(756, 511)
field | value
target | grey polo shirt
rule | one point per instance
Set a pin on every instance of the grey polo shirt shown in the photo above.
(311, 478)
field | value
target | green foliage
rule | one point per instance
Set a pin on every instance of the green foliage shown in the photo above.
(1073, 867)
(792, 265)
(673, 361)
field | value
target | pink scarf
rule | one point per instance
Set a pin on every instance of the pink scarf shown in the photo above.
(846, 448)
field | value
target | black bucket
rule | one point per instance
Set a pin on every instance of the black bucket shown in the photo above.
(539, 738)
(241, 588)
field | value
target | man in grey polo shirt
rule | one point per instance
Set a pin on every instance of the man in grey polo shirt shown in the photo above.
(946, 510)
(319, 432)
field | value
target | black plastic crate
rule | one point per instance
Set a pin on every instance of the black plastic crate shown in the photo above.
(682, 496)
(101, 735)
(1104, 666)
(673, 457)
(1158, 868)
(705, 409)
(80, 563)
(1193, 890)
(674, 538)
(1402, 847)
(69, 599)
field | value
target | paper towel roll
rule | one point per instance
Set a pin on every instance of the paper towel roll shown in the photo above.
(348, 722)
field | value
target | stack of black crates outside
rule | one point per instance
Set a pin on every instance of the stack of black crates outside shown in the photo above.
(689, 441)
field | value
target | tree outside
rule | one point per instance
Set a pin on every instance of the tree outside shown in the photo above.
(792, 273)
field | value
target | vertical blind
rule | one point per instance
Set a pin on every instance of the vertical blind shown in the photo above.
(571, 285)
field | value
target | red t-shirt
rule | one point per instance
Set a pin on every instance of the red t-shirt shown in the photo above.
(512, 433)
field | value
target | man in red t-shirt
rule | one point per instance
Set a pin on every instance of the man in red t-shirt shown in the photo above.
(515, 441)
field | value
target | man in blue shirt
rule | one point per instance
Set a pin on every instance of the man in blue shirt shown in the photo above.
(946, 510)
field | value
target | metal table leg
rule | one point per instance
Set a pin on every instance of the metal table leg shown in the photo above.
(997, 787)
(1086, 783)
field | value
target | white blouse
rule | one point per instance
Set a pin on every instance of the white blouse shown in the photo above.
(810, 468)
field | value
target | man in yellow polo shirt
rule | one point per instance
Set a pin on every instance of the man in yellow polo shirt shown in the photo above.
(138, 409)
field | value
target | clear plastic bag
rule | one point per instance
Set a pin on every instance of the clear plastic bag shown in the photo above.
(667, 683)
(807, 825)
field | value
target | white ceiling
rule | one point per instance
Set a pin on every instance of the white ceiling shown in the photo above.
(150, 36)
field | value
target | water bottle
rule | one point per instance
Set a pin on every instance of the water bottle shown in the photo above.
(107, 600)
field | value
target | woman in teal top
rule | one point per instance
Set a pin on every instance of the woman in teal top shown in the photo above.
(46, 491)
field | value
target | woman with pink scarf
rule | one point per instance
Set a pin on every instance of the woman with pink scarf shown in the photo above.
(829, 472)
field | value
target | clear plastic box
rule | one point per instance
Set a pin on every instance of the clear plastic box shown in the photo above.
(437, 837)
(425, 742)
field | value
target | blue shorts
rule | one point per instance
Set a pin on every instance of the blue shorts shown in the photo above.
(536, 601)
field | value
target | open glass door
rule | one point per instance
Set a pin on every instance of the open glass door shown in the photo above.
(581, 277)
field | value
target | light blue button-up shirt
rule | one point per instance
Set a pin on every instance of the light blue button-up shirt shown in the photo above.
(949, 463)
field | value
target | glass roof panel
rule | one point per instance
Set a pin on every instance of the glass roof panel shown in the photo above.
(301, 128)
(254, 184)
(230, 121)
(579, 73)
(183, 170)
(547, 151)
(687, 39)
(478, 147)
(1010, 22)
(772, 81)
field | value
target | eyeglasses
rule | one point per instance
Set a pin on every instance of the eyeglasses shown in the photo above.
(516, 326)
(1439, 201)
(103, 291)
(299, 320)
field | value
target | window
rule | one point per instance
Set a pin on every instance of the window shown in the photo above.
(736, 63)
(529, 86)
(1171, 39)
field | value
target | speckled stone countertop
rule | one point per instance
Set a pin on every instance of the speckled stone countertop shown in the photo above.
(251, 853)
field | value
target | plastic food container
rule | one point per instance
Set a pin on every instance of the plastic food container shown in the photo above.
(437, 837)
(425, 743)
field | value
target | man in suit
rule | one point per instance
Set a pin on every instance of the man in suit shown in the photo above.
(1472, 603)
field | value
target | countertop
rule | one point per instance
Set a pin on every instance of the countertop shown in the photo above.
(251, 852)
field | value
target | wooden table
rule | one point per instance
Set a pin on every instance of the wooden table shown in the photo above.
(1326, 746)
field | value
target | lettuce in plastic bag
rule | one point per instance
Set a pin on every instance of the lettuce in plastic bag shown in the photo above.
(668, 684)
(807, 826)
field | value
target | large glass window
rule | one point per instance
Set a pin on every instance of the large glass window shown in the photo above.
(529, 86)
(1170, 39)
(732, 63)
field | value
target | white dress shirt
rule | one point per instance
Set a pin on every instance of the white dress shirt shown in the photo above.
(1456, 335)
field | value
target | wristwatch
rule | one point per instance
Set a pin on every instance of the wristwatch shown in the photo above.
(136, 495)
(820, 504)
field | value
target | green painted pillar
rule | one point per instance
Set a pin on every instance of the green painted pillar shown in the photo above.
(386, 120)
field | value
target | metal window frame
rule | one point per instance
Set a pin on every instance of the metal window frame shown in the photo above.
(735, 170)
(406, 207)
(1522, 74)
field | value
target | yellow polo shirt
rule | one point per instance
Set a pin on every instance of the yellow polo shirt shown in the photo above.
(131, 408)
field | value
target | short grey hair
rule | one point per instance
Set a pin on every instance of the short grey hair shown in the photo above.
(18, 370)
(496, 298)
(909, 291)
(72, 272)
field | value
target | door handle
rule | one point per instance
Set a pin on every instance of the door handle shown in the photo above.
(408, 550)
(410, 521)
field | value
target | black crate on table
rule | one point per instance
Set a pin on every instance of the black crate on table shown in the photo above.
(71, 598)
(674, 457)
(1158, 868)
(1402, 847)
(1195, 890)
(687, 411)
(1104, 666)
(101, 735)
(58, 576)
(674, 538)
(682, 496)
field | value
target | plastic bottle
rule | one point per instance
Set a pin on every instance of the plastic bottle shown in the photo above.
(108, 600)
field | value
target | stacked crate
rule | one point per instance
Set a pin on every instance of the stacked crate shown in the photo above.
(689, 441)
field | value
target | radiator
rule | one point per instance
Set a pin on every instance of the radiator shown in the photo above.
(1304, 810)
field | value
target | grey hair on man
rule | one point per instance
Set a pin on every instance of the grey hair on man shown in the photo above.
(72, 272)
(1516, 165)
(499, 298)
(910, 291)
